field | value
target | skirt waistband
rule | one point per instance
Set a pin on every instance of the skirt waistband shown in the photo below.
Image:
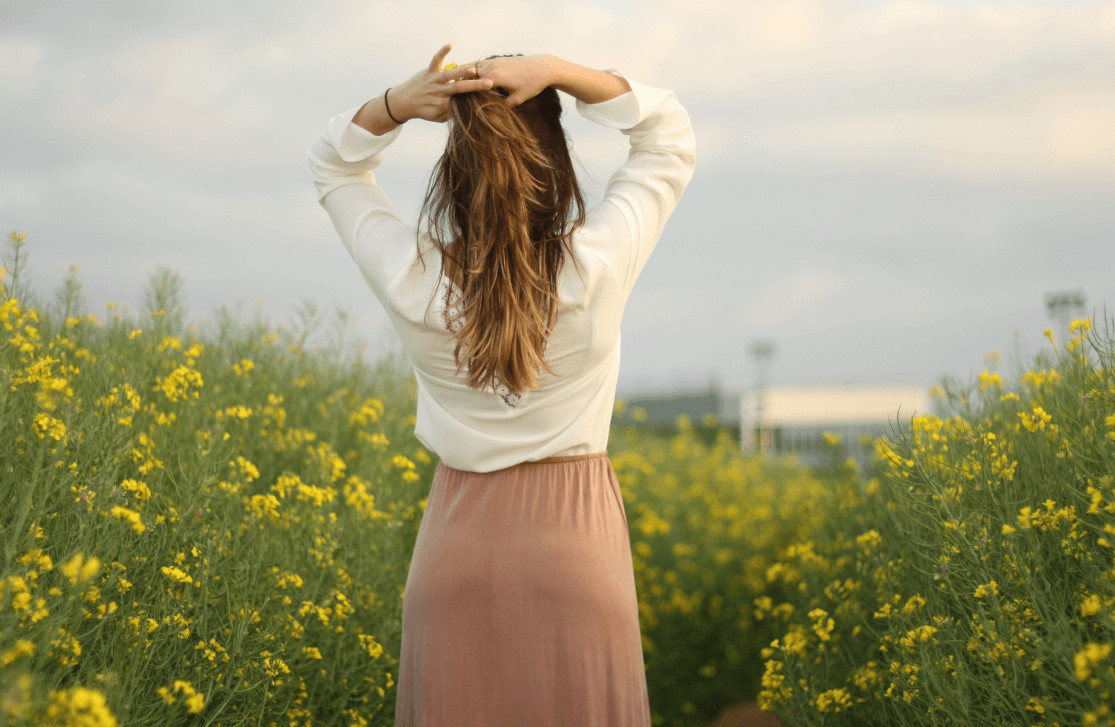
(556, 459)
(567, 458)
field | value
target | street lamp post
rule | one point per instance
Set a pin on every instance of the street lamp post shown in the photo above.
(762, 351)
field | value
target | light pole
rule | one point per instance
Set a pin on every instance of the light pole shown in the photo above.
(762, 351)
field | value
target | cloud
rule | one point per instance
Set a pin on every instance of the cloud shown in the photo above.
(23, 62)
(789, 296)
(965, 92)
(860, 164)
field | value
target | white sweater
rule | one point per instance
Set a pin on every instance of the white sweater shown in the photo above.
(570, 413)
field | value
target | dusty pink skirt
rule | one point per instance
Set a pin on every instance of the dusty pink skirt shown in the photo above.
(520, 607)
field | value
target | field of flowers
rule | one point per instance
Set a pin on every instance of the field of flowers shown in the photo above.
(197, 527)
(972, 582)
(708, 524)
(213, 525)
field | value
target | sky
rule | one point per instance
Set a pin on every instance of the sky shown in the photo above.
(885, 191)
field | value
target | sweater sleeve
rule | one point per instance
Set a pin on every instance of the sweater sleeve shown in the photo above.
(642, 193)
(341, 163)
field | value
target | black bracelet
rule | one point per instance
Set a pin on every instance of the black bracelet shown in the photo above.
(386, 106)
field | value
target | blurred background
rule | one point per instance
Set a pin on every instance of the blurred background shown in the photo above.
(887, 193)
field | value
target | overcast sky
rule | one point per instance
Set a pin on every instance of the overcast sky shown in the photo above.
(884, 190)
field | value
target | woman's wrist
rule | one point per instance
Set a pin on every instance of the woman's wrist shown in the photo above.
(585, 84)
(373, 115)
(395, 111)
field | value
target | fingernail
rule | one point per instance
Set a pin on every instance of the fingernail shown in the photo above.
(487, 83)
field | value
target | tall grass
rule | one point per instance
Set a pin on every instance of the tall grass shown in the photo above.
(972, 581)
(212, 524)
(197, 527)
(215, 523)
(709, 526)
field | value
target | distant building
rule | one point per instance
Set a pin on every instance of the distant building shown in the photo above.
(664, 407)
(795, 419)
(788, 420)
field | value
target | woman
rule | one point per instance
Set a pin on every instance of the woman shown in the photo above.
(520, 605)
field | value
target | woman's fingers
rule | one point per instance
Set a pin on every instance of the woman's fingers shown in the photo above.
(457, 73)
(439, 57)
(430, 89)
(479, 84)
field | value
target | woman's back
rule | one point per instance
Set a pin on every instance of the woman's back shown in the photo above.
(569, 412)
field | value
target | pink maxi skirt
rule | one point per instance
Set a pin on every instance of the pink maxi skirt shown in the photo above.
(520, 607)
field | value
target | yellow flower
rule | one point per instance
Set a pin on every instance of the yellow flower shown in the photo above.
(239, 411)
(988, 379)
(1088, 658)
(245, 468)
(22, 647)
(176, 574)
(79, 569)
(988, 589)
(1081, 325)
(822, 625)
(1091, 605)
(130, 516)
(915, 602)
(47, 426)
(181, 685)
(374, 649)
(834, 700)
(169, 342)
(870, 539)
(195, 703)
(177, 384)
(77, 706)
(921, 635)
(140, 489)
(1036, 420)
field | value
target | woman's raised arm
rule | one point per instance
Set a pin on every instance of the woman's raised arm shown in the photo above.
(524, 77)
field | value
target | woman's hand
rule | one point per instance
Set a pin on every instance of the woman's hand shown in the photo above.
(522, 77)
(425, 95)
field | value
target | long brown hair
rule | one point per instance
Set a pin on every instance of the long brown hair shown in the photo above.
(502, 204)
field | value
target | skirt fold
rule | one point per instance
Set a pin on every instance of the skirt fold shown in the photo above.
(520, 607)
